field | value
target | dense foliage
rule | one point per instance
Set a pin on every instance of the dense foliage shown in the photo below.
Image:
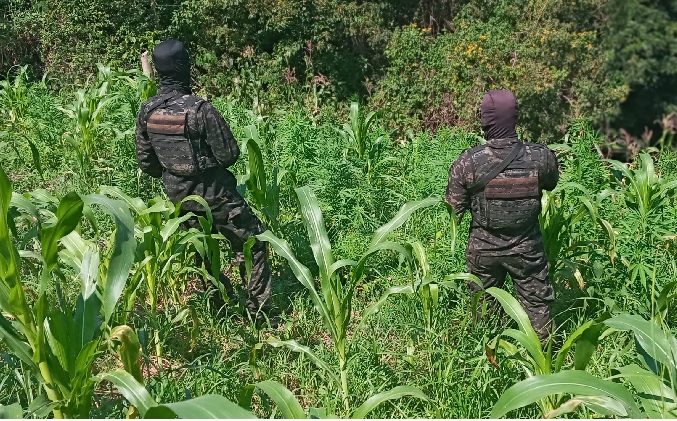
(369, 272)
(425, 62)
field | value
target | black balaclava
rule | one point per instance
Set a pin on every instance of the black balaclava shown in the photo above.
(172, 63)
(499, 115)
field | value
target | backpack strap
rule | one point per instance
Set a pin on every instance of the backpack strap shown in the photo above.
(160, 101)
(480, 184)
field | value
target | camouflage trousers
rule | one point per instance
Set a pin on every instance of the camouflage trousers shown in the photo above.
(235, 220)
(529, 273)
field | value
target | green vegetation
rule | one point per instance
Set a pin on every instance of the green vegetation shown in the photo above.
(369, 272)
(420, 62)
(349, 114)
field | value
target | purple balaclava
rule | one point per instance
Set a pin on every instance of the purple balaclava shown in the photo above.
(499, 115)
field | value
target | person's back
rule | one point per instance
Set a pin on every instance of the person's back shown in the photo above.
(185, 140)
(192, 143)
(501, 184)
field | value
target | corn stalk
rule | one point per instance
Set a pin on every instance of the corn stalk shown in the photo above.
(334, 299)
(55, 338)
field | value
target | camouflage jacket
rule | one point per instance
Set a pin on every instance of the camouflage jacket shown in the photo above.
(213, 183)
(462, 175)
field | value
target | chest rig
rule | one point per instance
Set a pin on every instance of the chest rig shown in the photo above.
(172, 131)
(506, 194)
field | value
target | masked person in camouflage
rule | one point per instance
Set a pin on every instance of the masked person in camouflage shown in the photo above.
(185, 140)
(501, 184)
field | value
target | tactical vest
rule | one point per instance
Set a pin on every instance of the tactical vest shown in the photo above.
(173, 134)
(511, 201)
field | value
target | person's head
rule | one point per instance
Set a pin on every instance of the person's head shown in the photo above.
(172, 63)
(499, 115)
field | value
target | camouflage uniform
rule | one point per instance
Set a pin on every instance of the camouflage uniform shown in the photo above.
(186, 141)
(505, 236)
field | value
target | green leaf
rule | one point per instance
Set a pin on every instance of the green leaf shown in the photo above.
(122, 257)
(207, 407)
(36, 157)
(40, 407)
(517, 313)
(69, 214)
(569, 342)
(586, 345)
(664, 296)
(21, 202)
(319, 243)
(572, 382)
(376, 306)
(127, 343)
(132, 390)
(172, 225)
(286, 402)
(257, 174)
(400, 218)
(394, 393)
(88, 306)
(302, 273)
(21, 349)
(296, 347)
(58, 331)
(657, 343)
(601, 405)
(12, 411)
(657, 398)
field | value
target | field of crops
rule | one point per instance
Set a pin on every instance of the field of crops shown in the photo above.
(104, 315)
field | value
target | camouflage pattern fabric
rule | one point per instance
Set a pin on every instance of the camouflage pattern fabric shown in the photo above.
(505, 236)
(535, 161)
(236, 221)
(529, 273)
(214, 149)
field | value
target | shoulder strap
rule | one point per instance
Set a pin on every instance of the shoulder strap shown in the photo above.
(160, 101)
(486, 178)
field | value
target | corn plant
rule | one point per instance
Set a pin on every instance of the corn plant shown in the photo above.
(164, 252)
(207, 406)
(58, 339)
(654, 383)
(647, 194)
(265, 191)
(423, 284)
(561, 221)
(14, 103)
(14, 100)
(214, 406)
(86, 112)
(142, 88)
(356, 134)
(335, 297)
(547, 383)
(290, 408)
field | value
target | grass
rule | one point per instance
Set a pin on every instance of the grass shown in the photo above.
(447, 362)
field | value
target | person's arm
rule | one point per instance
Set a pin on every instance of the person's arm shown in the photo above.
(145, 154)
(218, 135)
(457, 195)
(550, 175)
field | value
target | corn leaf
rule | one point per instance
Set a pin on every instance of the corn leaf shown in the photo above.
(286, 402)
(124, 246)
(132, 390)
(572, 382)
(205, 407)
(394, 393)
